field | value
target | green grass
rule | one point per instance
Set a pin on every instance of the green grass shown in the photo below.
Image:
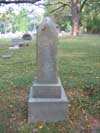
(79, 61)
(5, 41)
(19, 70)
(79, 70)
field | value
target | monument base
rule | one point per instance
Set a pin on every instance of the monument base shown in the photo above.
(46, 90)
(47, 109)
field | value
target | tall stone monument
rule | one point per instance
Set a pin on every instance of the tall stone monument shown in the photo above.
(47, 99)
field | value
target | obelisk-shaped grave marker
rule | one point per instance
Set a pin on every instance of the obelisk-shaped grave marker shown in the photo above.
(47, 99)
(46, 84)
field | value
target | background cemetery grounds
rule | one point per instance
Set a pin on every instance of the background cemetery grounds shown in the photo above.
(79, 69)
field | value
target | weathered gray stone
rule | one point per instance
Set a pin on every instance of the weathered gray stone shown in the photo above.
(27, 36)
(47, 52)
(17, 42)
(47, 99)
(8, 56)
(47, 109)
(47, 90)
(46, 84)
(14, 48)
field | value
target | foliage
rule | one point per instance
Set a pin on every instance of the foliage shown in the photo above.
(62, 15)
(88, 14)
(79, 65)
(91, 17)
(22, 20)
(12, 21)
(19, 18)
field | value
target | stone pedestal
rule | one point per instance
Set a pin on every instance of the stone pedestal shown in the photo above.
(47, 109)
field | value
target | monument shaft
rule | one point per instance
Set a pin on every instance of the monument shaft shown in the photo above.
(46, 53)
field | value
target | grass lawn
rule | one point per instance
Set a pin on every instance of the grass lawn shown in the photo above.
(79, 69)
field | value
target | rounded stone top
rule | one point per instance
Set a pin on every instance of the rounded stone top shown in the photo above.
(48, 26)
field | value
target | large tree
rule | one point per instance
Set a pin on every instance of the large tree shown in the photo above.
(75, 7)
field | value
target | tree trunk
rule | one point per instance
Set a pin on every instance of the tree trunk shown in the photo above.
(75, 18)
(5, 28)
(75, 26)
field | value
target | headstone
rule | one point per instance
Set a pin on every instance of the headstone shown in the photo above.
(14, 48)
(7, 56)
(16, 42)
(27, 36)
(47, 99)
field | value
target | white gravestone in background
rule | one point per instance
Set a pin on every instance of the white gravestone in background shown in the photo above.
(47, 99)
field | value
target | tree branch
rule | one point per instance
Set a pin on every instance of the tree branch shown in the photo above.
(82, 5)
(62, 5)
(51, 4)
(18, 1)
(57, 9)
(65, 4)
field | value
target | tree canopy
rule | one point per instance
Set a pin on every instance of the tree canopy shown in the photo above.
(21, 18)
(76, 13)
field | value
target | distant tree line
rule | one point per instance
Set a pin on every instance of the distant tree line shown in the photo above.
(22, 20)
